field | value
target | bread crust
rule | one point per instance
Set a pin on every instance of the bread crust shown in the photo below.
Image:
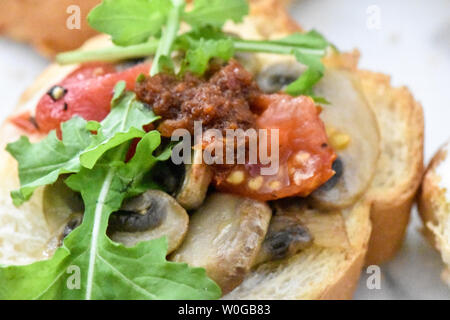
(392, 203)
(433, 205)
(43, 24)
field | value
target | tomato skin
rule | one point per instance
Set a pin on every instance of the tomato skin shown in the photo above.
(305, 158)
(25, 122)
(89, 93)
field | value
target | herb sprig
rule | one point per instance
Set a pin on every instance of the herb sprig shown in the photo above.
(104, 180)
(151, 27)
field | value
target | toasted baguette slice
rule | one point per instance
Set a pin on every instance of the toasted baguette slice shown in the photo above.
(44, 23)
(327, 273)
(400, 166)
(399, 116)
(317, 273)
(434, 206)
(330, 273)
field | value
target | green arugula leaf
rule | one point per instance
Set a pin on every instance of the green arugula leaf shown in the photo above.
(202, 51)
(206, 40)
(41, 163)
(311, 39)
(216, 12)
(123, 123)
(107, 270)
(129, 22)
(305, 83)
(78, 147)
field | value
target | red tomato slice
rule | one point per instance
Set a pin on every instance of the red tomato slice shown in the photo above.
(88, 93)
(305, 159)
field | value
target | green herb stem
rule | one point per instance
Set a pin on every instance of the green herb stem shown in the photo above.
(169, 35)
(116, 53)
(113, 53)
(272, 47)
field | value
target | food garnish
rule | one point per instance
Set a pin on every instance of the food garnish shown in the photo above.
(78, 269)
(151, 27)
(90, 139)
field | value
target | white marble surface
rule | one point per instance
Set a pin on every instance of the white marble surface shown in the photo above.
(412, 44)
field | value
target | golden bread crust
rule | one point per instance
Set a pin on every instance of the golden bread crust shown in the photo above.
(398, 174)
(434, 208)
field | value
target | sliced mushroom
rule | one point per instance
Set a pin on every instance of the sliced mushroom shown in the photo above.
(195, 184)
(72, 223)
(59, 204)
(224, 237)
(278, 75)
(286, 237)
(249, 61)
(358, 152)
(168, 175)
(327, 229)
(152, 215)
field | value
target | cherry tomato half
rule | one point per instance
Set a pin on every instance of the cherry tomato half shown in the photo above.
(86, 92)
(305, 158)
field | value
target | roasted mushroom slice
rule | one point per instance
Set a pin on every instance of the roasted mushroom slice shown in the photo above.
(249, 60)
(195, 184)
(72, 223)
(286, 237)
(152, 215)
(353, 132)
(224, 237)
(327, 229)
(278, 75)
(59, 204)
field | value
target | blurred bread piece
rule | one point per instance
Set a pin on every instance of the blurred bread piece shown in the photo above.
(44, 23)
(434, 206)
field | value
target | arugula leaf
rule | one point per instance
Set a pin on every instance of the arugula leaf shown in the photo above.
(206, 41)
(129, 22)
(305, 83)
(123, 123)
(216, 12)
(202, 51)
(53, 157)
(141, 272)
(41, 163)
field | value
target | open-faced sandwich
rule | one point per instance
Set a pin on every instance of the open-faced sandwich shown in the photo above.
(434, 206)
(116, 161)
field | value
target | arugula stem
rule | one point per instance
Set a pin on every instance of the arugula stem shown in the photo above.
(169, 35)
(113, 53)
(268, 47)
(101, 214)
(164, 46)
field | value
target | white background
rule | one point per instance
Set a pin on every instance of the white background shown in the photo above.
(412, 44)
